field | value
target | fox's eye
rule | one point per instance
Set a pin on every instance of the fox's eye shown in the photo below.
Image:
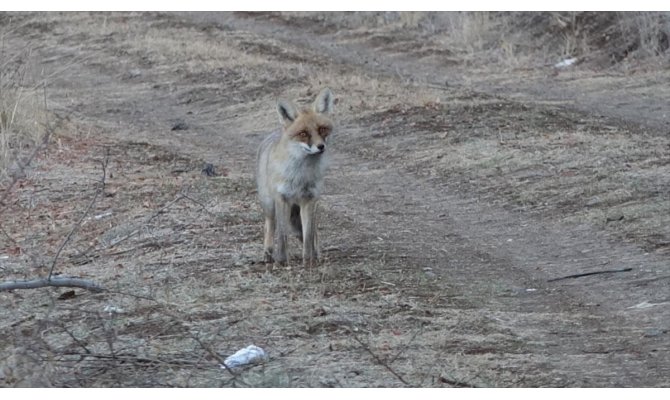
(324, 131)
(303, 134)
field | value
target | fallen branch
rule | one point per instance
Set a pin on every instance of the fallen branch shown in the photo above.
(609, 271)
(60, 281)
(56, 281)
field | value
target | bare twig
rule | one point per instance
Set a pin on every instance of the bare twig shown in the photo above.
(137, 296)
(197, 202)
(73, 337)
(110, 334)
(155, 245)
(378, 359)
(456, 383)
(132, 233)
(212, 353)
(14, 242)
(77, 225)
(437, 86)
(56, 281)
(647, 280)
(405, 347)
(136, 359)
(24, 164)
(149, 219)
(22, 320)
(609, 271)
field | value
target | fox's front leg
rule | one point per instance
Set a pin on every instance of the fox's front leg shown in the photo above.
(309, 241)
(283, 214)
(268, 242)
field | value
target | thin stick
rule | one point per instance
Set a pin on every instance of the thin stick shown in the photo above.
(137, 296)
(24, 165)
(134, 232)
(405, 347)
(57, 281)
(73, 337)
(15, 243)
(609, 271)
(76, 226)
(131, 358)
(379, 360)
(197, 202)
(215, 355)
(456, 383)
(151, 217)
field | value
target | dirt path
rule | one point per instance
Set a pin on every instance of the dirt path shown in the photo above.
(637, 99)
(435, 270)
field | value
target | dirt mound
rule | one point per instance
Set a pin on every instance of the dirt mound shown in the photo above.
(604, 38)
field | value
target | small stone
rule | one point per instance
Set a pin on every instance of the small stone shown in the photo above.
(654, 332)
(208, 170)
(615, 217)
(180, 126)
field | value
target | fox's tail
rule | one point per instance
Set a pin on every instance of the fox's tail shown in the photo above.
(296, 223)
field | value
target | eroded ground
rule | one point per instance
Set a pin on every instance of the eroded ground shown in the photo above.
(448, 211)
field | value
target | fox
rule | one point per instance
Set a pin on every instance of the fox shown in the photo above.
(291, 165)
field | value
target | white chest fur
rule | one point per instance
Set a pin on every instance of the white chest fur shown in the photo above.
(302, 176)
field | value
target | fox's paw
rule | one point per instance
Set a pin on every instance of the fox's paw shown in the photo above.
(279, 260)
(268, 256)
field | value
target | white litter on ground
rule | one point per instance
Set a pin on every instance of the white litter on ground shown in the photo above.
(646, 304)
(248, 355)
(565, 63)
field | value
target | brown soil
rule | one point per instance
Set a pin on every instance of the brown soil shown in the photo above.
(447, 214)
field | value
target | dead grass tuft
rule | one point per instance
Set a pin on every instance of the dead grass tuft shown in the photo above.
(22, 109)
(519, 39)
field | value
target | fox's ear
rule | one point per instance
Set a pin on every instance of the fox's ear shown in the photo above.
(287, 111)
(324, 102)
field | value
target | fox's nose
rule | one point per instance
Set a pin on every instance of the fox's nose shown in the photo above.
(321, 147)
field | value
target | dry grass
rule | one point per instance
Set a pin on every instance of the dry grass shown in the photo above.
(513, 40)
(178, 293)
(534, 159)
(22, 108)
(531, 39)
(179, 252)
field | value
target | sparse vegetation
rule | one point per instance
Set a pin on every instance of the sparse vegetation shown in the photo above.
(448, 210)
(22, 112)
(524, 39)
(600, 39)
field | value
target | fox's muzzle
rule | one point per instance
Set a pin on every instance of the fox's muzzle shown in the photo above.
(313, 150)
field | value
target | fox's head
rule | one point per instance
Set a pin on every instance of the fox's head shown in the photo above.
(308, 128)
